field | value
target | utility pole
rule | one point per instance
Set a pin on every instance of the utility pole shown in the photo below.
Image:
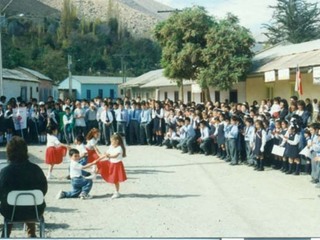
(70, 75)
(123, 65)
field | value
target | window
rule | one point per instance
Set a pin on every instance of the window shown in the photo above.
(100, 93)
(88, 94)
(189, 96)
(112, 93)
(176, 96)
(31, 95)
(165, 95)
(121, 91)
(270, 92)
(217, 96)
(23, 93)
(233, 96)
(147, 95)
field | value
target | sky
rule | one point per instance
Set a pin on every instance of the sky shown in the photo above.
(251, 13)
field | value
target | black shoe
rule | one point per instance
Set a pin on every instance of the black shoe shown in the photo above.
(233, 164)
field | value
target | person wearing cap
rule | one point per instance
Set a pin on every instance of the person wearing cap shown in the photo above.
(91, 117)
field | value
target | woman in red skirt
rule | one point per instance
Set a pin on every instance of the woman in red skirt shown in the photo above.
(93, 152)
(112, 170)
(55, 150)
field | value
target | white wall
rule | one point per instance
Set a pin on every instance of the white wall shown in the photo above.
(12, 88)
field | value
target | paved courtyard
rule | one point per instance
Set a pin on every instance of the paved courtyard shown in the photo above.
(169, 194)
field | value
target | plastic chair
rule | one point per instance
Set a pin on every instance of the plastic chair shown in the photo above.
(25, 198)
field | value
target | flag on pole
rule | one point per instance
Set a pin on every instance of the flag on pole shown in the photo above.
(298, 86)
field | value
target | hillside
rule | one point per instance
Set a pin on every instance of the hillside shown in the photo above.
(139, 16)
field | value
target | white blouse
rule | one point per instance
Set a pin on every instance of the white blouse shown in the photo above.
(52, 141)
(114, 151)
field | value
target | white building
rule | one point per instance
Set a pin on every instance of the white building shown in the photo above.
(19, 84)
(155, 85)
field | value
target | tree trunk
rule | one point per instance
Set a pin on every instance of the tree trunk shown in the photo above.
(181, 90)
(206, 93)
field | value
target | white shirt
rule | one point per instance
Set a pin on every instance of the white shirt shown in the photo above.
(82, 149)
(114, 151)
(52, 141)
(91, 143)
(75, 169)
(79, 112)
(104, 118)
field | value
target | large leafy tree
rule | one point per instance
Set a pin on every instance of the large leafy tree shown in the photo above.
(227, 54)
(198, 47)
(294, 21)
(182, 38)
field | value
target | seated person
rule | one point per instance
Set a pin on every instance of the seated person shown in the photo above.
(21, 174)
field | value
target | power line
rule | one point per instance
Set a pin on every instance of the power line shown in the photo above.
(6, 6)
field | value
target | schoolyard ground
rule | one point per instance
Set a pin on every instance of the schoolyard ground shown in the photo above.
(169, 194)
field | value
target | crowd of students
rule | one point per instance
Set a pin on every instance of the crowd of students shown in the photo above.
(234, 132)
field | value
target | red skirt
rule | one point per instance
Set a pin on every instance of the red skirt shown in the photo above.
(54, 155)
(92, 155)
(112, 172)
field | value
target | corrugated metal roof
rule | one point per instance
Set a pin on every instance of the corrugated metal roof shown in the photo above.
(37, 74)
(144, 78)
(287, 56)
(164, 82)
(17, 75)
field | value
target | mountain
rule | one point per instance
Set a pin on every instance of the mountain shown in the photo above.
(139, 16)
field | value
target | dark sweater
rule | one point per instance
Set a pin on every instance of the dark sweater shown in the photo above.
(21, 176)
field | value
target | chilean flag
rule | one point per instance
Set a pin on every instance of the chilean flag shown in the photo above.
(298, 86)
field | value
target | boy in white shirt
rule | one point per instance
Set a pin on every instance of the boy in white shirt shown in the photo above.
(80, 185)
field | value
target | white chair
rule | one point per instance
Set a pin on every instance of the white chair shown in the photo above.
(27, 198)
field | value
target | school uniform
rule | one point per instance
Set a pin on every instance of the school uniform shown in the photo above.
(80, 185)
(90, 147)
(106, 118)
(292, 151)
(231, 134)
(134, 126)
(91, 119)
(259, 146)
(80, 124)
(67, 120)
(221, 140)
(2, 126)
(112, 170)
(190, 137)
(315, 165)
(54, 152)
(122, 119)
(145, 119)
(205, 144)
(249, 138)
(177, 141)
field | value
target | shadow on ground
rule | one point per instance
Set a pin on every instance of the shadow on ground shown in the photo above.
(151, 196)
(147, 171)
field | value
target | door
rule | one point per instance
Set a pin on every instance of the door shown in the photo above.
(233, 96)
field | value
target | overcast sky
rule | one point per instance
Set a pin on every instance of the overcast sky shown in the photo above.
(252, 13)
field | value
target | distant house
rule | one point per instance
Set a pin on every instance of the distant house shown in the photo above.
(89, 87)
(274, 71)
(155, 85)
(45, 88)
(19, 84)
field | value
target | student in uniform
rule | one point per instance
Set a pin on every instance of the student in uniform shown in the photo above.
(231, 134)
(292, 149)
(221, 137)
(107, 126)
(190, 134)
(145, 119)
(249, 132)
(134, 124)
(158, 122)
(122, 118)
(204, 140)
(55, 150)
(259, 145)
(315, 150)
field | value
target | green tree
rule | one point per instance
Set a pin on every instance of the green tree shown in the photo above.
(227, 54)
(182, 38)
(295, 21)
